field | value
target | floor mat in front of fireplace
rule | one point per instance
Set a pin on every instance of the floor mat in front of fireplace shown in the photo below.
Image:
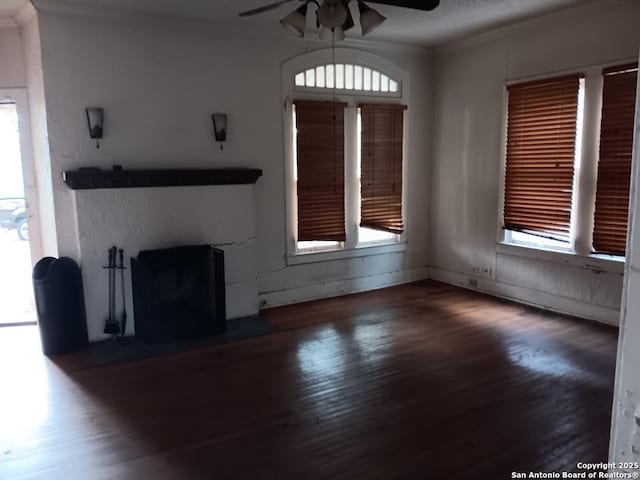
(128, 349)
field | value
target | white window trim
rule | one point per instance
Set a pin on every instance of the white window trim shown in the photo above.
(597, 262)
(579, 252)
(360, 251)
(344, 92)
(349, 248)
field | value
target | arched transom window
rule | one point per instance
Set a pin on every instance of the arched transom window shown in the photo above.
(345, 76)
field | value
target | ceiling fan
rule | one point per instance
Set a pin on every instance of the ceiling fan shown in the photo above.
(333, 17)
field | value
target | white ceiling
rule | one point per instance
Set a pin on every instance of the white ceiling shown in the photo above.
(452, 19)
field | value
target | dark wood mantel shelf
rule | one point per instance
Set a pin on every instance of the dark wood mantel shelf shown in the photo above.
(94, 178)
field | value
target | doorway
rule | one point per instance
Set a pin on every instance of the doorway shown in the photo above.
(17, 306)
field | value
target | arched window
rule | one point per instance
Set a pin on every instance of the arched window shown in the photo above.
(346, 76)
(360, 99)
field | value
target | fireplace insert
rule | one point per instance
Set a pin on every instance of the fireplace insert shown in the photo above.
(178, 293)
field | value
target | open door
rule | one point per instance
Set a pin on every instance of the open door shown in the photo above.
(16, 300)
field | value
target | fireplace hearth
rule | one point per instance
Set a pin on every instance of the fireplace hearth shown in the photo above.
(178, 293)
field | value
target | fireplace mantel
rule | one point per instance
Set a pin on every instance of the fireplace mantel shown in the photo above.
(94, 178)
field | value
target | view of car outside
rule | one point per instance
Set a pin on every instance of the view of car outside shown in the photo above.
(13, 216)
(16, 299)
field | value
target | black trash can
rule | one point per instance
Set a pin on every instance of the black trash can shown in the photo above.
(57, 286)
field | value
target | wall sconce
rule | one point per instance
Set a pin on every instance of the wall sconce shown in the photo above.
(95, 122)
(220, 127)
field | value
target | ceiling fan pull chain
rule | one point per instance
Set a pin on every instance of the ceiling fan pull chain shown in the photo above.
(333, 111)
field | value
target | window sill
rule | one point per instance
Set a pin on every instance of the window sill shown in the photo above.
(360, 251)
(598, 262)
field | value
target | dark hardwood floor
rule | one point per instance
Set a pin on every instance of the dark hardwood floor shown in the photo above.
(422, 381)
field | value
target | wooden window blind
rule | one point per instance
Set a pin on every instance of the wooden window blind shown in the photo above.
(320, 162)
(541, 137)
(381, 167)
(614, 165)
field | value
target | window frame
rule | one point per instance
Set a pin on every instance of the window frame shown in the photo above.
(580, 249)
(523, 91)
(351, 91)
(603, 200)
(290, 92)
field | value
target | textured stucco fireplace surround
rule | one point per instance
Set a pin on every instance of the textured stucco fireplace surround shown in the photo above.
(138, 219)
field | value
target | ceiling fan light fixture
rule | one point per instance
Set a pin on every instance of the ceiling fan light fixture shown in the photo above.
(370, 18)
(332, 13)
(296, 21)
(327, 33)
(348, 23)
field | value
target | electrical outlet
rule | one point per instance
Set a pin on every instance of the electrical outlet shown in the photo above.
(473, 282)
(482, 270)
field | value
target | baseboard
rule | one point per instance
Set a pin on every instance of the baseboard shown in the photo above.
(527, 296)
(341, 287)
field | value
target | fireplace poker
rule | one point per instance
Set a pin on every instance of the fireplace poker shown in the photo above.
(123, 322)
(111, 325)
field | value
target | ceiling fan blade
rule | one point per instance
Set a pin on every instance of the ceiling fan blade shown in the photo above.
(264, 8)
(425, 5)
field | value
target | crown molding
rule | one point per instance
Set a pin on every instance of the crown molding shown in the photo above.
(25, 15)
(528, 24)
(72, 7)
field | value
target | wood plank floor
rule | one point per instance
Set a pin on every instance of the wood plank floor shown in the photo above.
(419, 381)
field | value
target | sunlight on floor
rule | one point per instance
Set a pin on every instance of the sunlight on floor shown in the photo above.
(323, 354)
(17, 304)
(36, 395)
(553, 363)
(24, 404)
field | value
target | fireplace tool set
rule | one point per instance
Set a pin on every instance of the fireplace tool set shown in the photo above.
(112, 325)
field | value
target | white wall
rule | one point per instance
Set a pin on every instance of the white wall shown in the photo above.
(12, 73)
(467, 155)
(40, 198)
(159, 80)
(625, 421)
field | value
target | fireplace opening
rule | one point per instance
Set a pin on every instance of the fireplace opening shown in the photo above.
(178, 293)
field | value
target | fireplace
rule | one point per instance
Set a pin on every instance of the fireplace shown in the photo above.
(178, 293)
(143, 210)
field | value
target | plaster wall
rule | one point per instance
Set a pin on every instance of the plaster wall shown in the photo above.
(159, 80)
(468, 156)
(42, 226)
(12, 71)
